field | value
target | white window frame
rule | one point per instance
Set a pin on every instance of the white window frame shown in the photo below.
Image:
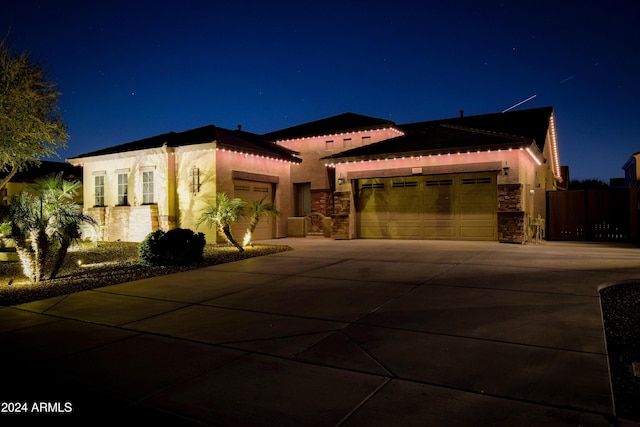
(148, 194)
(98, 190)
(123, 188)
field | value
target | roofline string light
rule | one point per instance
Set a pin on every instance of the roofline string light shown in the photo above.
(260, 156)
(398, 131)
(554, 147)
(419, 157)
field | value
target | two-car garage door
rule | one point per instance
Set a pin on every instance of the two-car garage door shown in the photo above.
(453, 207)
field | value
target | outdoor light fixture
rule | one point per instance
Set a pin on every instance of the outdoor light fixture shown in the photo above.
(341, 179)
(506, 169)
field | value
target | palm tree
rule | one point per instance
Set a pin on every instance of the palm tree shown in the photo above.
(222, 215)
(258, 209)
(45, 222)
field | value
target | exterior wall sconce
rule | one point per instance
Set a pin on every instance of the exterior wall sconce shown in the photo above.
(506, 168)
(341, 180)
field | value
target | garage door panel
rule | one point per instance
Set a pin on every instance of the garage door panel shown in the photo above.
(439, 232)
(254, 190)
(477, 233)
(405, 230)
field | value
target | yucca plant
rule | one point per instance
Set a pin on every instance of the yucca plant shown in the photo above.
(222, 216)
(258, 209)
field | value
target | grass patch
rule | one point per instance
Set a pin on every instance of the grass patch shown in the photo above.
(90, 266)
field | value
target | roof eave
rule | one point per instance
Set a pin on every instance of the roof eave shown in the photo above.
(515, 145)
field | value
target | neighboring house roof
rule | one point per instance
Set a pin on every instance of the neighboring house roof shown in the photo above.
(436, 139)
(530, 123)
(245, 142)
(342, 123)
(45, 168)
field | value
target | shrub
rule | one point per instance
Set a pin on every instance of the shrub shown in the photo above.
(149, 250)
(5, 229)
(179, 246)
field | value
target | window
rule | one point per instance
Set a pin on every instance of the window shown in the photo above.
(195, 180)
(329, 144)
(366, 140)
(98, 190)
(147, 188)
(123, 189)
(347, 142)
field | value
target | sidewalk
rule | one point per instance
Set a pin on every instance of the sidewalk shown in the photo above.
(350, 333)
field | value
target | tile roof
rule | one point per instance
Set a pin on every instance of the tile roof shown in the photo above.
(435, 139)
(531, 123)
(460, 134)
(231, 140)
(346, 122)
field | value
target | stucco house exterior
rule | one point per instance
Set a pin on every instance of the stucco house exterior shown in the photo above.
(313, 183)
(480, 177)
(164, 182)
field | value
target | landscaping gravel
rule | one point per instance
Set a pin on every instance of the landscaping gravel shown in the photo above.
(621, 317)
(92, 266)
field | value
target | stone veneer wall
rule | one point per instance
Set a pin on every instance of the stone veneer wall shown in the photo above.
(340, 217)
(125, 223)
(512, 227)
(322, 202)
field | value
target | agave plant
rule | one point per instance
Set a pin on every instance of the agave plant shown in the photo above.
(45, 221)
(258, 209)
(222, 215)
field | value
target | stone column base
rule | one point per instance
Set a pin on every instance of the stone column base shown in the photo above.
(512, 227)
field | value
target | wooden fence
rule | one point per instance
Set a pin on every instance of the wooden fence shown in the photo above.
(589, 215)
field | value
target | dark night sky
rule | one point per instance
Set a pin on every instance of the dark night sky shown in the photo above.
(134, 69)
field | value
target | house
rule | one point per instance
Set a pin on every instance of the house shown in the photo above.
(480, 177)
(164, 182)
(33, 172)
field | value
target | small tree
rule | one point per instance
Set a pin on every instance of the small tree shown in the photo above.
(45, 221)
(258, 209)
(222, 215)
(31, 124)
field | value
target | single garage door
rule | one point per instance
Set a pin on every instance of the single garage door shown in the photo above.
(452, 207)
(254, 190)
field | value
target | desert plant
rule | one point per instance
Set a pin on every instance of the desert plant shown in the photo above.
(45, 222)
(222, 215)
(258, 209)
(179, 246)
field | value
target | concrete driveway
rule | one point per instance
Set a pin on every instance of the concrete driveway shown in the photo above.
(349, 333)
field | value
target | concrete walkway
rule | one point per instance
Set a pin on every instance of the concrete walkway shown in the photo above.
(349, 333)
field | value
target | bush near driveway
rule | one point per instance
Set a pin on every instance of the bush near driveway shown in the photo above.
(89, 266)
(179, 246)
